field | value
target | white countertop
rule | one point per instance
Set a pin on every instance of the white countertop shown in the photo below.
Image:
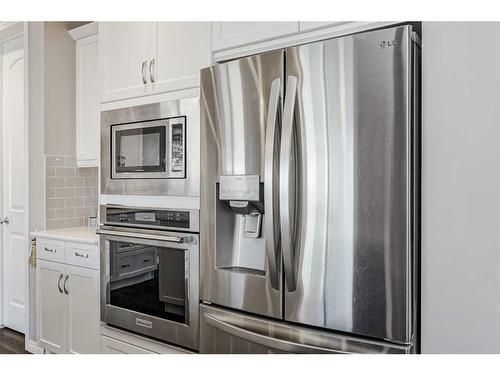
(77, 234)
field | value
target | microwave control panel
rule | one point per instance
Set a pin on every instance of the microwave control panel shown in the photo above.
(177, 151)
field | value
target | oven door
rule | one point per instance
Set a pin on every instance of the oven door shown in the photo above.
(149, 284)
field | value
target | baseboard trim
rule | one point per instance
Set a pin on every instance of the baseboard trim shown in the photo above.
(32, 347)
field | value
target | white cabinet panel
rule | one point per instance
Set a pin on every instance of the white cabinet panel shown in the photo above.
(117, 341)
(87, 102)
(82, 288)
(83, 255)
(182, 49)
(125, 48)
(51, 306)
(306, 26)
(112, 346)
(233, 34)
(50, 249)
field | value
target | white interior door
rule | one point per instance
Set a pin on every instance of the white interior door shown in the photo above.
(15, 251)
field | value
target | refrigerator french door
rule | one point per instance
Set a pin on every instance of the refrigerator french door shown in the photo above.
(310, 191)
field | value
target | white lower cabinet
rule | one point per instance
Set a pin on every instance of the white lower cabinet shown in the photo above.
(82, 303)
(50, 306)
(67, 306)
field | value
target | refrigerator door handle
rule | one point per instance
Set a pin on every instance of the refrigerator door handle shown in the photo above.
(285, 161)
(260, 339)
(271, 165)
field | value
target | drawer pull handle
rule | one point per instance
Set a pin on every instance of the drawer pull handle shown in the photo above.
(81, 255)
(126, 265)
(49, 250)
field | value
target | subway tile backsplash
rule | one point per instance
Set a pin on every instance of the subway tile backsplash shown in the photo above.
(71, 192)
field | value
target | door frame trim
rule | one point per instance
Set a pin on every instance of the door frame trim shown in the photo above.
(10, 32)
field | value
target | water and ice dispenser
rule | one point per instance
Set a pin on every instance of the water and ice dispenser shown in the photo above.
(240, 216)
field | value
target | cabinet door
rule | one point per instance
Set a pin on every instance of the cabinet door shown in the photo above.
(233, 34)
(125, 49)
(81, 286)
(182, 49)
(87, 102)
(51, 309)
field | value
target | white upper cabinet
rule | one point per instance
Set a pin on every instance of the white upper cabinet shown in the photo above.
(125, 51)
(145, 58)
(312, 25)
(182, 49)
(87, 95)
(232, 34)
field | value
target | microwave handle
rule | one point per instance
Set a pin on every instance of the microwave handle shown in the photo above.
(141, 235)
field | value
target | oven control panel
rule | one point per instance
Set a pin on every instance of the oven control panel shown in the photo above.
(150, 218)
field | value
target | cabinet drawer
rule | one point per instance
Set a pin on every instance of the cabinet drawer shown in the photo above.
(50, 250)
(83, 255)
(112, 346)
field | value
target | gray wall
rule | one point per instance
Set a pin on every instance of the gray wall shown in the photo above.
(36, 150)
(461, 188)
(59, 94)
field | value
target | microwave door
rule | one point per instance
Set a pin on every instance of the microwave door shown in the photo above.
(347, 245)
(152, 150)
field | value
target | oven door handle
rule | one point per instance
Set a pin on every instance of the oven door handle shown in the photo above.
(140, 235)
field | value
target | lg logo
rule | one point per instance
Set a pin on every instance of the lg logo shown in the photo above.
(388, 43)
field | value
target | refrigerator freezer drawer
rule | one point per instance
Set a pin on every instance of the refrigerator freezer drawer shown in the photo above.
(225, 332)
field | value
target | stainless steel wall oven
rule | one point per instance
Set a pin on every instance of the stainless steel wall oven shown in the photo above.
(149, 272)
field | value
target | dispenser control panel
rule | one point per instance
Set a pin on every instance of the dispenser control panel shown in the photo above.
(239, 188)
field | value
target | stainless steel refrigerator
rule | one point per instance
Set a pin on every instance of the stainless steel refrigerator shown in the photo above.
(310, 196)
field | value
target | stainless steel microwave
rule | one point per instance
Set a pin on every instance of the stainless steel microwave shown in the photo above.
(151, 149)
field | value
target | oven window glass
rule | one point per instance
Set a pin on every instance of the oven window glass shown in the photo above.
(140, 149)
(148, 279)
